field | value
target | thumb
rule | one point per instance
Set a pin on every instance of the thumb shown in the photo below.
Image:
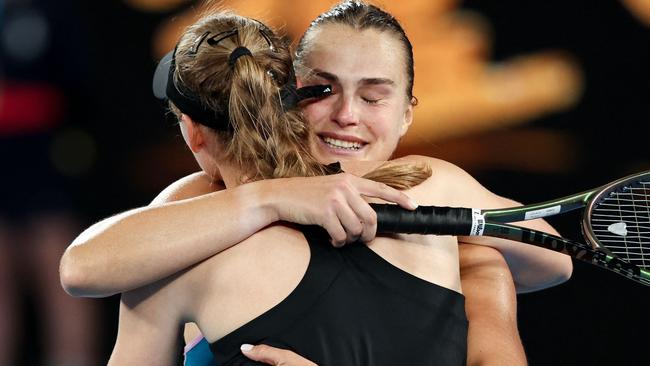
(263, 353)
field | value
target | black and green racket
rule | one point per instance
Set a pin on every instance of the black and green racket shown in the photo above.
(615, 224)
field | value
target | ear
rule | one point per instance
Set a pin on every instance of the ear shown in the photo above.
(408, 119)
(192, 133)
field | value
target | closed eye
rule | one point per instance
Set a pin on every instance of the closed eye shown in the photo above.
(370, 100)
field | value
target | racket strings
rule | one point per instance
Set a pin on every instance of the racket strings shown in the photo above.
(621, 223)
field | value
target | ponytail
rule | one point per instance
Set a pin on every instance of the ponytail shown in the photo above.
(241, 76)
(267, 141)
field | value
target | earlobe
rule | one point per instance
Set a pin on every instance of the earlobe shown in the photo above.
(408, 119)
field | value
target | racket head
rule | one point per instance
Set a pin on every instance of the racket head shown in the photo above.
(617, 219)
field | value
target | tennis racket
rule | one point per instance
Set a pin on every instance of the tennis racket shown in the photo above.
(615, 224)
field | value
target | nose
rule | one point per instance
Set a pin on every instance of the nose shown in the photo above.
(344, 112)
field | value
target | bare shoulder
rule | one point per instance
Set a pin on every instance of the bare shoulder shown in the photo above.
(440, 168)
(193, 185)
(448, 185)
(452, 185)
(442, 186)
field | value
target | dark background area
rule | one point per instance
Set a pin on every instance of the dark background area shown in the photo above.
(597, 318)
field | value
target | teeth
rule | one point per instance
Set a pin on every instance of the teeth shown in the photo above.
(342, 144)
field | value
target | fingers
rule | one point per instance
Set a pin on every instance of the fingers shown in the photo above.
(350, 219)
(353, 219)
(366, 218)
(382, 191)
(366, 215)
(274, 356)
(336, 203)
(336, 231)
(340, 219)
(263, 353)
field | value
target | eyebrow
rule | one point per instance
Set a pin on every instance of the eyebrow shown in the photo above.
(326, 75)
(365, 81)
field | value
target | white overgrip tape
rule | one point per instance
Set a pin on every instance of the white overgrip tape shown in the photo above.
(478, 223)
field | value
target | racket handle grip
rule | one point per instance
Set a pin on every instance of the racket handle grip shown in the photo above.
(423, 220)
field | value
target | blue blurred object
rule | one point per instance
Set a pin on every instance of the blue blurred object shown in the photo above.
(199, 354)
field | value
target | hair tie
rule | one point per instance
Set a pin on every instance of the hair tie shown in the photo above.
(237, 53)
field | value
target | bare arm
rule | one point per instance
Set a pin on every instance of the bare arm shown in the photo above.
(491, 307)
(533, 268)
(149, 325)
(146, 244)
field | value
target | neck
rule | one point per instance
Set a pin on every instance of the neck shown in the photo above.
(213, 162)
(230, 175)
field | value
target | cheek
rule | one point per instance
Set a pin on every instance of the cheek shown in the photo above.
(386, 126)
(316, 111)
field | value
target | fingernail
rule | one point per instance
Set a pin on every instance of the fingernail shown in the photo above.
(246, 347)
(413, 204)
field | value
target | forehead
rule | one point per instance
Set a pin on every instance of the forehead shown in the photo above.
(353, 54)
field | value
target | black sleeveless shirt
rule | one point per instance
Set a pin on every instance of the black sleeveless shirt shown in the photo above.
(352, 307)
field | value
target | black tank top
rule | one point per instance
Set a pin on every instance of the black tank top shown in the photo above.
(352, 307)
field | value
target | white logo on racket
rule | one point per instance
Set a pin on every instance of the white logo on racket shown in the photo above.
(478, 223)
(549, 211)
(619, 228)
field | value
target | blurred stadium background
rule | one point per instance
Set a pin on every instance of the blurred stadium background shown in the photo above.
(536, 99)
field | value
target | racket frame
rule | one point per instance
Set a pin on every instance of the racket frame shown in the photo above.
(460, 221)
(496, 225)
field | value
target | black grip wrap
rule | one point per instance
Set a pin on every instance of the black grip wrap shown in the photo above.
(423, 220)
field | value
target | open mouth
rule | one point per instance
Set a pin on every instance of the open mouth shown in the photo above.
(342, 144)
